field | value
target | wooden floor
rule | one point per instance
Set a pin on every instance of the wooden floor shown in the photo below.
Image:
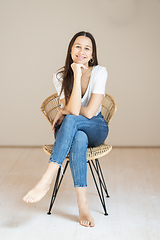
(133, 179)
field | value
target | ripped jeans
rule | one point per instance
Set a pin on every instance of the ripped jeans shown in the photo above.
(73, 136)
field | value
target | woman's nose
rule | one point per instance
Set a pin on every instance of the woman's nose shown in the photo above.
(81, 51)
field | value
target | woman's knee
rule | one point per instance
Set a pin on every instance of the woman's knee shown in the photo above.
(81, 138)
(69, 119)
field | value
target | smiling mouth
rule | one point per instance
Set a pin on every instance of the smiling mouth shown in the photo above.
(80, 57)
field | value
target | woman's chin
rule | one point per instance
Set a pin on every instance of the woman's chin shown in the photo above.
(81, 62)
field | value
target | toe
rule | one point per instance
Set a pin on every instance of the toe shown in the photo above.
(92, 224)
(85, 223)
(25, 198)
(30, 199)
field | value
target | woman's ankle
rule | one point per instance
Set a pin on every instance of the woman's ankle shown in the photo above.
(81, 196)
(50, 172)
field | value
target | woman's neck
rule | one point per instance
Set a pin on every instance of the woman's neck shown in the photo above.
(86, 72)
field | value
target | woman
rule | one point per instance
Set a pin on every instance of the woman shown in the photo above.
(79, 123)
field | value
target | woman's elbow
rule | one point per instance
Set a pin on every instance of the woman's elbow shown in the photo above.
(89, 115)
(75, 113)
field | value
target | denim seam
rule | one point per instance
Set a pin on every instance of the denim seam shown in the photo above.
(80, 185)
(54, 161)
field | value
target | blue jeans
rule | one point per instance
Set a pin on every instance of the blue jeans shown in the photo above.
(73, 136)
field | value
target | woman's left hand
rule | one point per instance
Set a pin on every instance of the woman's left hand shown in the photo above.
(58, 119)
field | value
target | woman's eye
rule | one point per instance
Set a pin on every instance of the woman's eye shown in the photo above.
(87, 48)
(77, 46)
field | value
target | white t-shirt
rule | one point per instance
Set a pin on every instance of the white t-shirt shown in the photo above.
(96, 84)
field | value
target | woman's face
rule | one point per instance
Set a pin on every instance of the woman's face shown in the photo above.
(81, 51)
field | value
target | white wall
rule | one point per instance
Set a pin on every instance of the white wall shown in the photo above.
(34, 40)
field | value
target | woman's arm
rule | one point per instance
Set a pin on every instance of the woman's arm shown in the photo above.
(98, 91)
(90, 110)
(96, 98)
(74, 104)
(94, 103)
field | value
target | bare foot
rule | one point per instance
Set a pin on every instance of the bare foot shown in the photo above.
(38, 192)
(85, 217)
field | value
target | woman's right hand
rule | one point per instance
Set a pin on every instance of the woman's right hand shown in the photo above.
(59, 118)
(77, 69)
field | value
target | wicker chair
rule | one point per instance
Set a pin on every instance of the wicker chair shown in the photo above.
(50, 108)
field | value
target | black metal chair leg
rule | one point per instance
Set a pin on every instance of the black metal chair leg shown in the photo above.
(99, 190)
(100, 183)
(56, 187)
(101, 196)
(101, 176)
(105, 187)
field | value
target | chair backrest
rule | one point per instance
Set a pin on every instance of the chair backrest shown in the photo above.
(109, 107)
(51, 105)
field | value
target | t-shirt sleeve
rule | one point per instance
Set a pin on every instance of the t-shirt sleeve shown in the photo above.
(58, 84)
(99, 82)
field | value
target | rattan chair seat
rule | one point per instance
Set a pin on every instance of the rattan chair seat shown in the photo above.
(92, 153)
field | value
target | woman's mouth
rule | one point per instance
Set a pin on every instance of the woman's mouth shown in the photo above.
(80, 57)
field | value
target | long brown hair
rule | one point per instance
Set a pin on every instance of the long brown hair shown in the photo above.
(66, 72)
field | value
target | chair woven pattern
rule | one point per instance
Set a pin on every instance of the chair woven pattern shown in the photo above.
(92, 153)
(108, 108)
(50, 107)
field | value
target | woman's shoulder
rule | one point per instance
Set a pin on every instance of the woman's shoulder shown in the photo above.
(98, 67)
(58, 76)
(99, 70)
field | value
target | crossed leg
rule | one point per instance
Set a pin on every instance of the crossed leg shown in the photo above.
(42, 187)
(38, 192)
